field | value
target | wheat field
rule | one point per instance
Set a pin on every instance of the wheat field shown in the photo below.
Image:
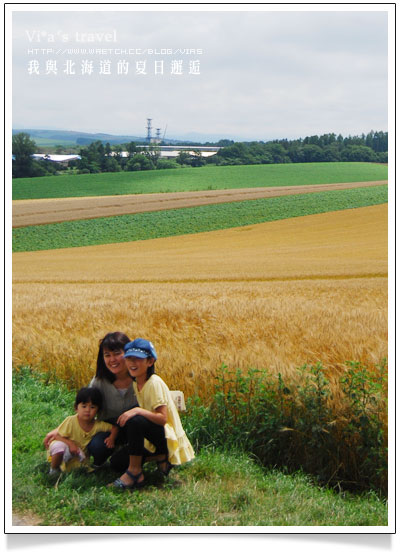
(272, 296)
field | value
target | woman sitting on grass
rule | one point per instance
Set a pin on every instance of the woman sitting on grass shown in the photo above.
(68, 449)
(153, 429)
(115, 384)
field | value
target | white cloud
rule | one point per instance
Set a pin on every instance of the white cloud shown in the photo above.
(263, 75)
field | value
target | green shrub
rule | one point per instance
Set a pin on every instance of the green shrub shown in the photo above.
(334, 431)
(339, 438)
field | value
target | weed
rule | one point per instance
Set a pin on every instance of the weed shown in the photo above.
(296, 426)
(220, 487)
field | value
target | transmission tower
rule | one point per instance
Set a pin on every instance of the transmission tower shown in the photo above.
(149, 130)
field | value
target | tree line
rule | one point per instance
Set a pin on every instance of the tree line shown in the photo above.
(99, 156)
(372, 147)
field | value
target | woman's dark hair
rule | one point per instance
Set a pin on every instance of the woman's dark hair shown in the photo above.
(89, 394)
(112, 341)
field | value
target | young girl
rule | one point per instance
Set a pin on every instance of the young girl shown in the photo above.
(154, 427)
(67, 450)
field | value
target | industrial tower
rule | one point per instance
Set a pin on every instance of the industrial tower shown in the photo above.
(149, 130)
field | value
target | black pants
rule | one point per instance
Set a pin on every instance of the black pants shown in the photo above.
(120, 455)
(137, 429)
(100, 452)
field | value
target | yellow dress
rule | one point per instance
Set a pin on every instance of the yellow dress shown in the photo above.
(155, 393)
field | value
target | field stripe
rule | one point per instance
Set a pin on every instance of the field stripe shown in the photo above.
(176, 222)
(33, 212)
(209, 280)
(340, 244)
(195, 179)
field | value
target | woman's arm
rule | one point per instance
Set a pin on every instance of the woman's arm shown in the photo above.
(110, 440)
(50, 437)
(159, 416)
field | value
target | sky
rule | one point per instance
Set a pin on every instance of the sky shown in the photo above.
(205, 75)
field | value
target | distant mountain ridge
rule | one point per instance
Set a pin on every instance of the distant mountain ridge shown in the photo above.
(83, 138)
(73, 136)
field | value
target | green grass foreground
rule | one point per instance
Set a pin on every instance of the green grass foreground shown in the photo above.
(196, 179)
(175, 222)
(219, 488)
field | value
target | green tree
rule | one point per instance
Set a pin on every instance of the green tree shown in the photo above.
(23, 147)
(278, 153)
(111, 165)
(139, 162)
(358, 153)
(93, 157)
(131, 148)
(153, 152)
(197, 158)
(312, 153)
(184, 158)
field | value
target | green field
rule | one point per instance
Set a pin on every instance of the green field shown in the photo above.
(192, 179)
(48, 142)
(161, 224)
(219, 488)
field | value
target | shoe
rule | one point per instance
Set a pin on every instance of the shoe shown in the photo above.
(54, 472)
(102, 466)
(164, 471)
(119, 484)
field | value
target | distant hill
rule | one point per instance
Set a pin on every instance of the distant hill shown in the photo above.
(73, 138)
(62, 137)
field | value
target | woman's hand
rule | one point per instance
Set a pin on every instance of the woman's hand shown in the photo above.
(109, 442)
(50, 437)
(74, 449)
(137, 411)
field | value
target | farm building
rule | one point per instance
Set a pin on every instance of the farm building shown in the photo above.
(64, 160)
(172, 151)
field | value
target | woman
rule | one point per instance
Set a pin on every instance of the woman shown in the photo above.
(115, 384)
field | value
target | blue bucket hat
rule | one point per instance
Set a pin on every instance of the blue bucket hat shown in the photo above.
(140, 348)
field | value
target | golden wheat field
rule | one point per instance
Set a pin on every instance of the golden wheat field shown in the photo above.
(273, 296)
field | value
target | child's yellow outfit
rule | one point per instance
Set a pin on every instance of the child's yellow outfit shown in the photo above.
(71, 429)
(155, 393)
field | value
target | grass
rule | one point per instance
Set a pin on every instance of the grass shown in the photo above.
(220, 488)
(161, 224)
(193, 179)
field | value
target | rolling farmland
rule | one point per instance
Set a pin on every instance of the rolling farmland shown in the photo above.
(270, 282)
(286, 283)
(45, 211)
(190, 220)
(196, 179)
(274, 295)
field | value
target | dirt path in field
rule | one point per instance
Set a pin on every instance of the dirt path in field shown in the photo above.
(25, 520)
(44, 211)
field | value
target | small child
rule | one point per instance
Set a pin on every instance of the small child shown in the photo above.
(67, 450)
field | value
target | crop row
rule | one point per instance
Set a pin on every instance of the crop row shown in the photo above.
(195, 179)
(192, 220)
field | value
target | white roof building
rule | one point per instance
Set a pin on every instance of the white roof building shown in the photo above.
(56, 158)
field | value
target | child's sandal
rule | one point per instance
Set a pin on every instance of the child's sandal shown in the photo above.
(119, 484)
(166, 470)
